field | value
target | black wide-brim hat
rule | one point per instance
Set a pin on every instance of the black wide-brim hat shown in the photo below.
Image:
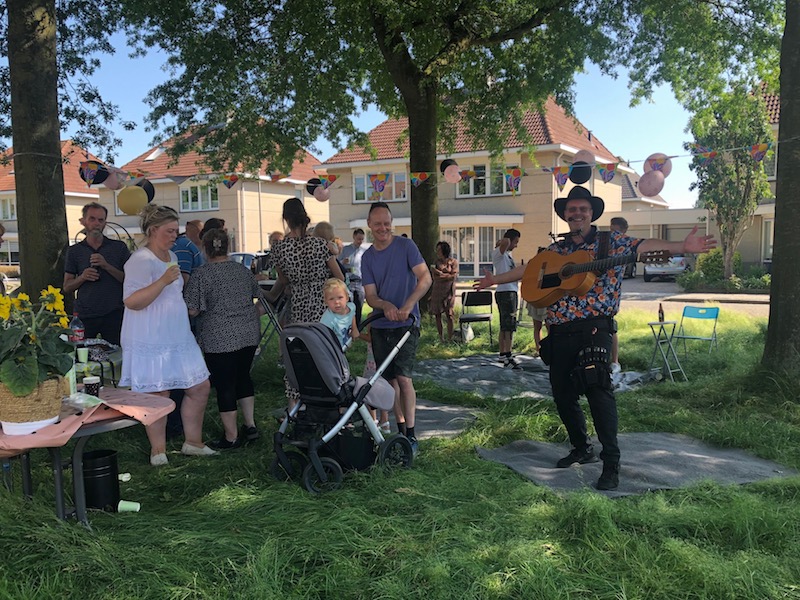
(580, 193)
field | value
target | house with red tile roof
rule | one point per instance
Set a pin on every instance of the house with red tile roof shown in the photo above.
(76, 195)
(475, 213)
(251, 207)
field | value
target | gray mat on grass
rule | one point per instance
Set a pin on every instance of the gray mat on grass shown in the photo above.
(441, 420)
(650, 461)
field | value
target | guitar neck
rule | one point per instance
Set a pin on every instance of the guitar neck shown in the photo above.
(600, 265)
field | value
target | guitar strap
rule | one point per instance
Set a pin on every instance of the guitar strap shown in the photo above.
(602, 244)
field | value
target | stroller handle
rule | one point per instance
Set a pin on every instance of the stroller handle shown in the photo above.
(378, 314)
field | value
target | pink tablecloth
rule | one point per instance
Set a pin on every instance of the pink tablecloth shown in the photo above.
(145, 408)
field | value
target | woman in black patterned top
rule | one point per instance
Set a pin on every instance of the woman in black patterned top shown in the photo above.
(220, 294)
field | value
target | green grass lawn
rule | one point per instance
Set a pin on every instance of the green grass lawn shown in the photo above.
(454, 526)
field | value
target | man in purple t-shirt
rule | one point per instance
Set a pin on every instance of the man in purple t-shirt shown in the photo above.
(395, 277)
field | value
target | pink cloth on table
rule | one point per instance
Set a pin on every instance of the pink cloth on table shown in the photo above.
(145, 408)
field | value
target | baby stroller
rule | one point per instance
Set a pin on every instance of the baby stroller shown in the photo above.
(330, 429)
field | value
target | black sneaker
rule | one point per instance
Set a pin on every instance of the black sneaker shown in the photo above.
(414, 446)
(511, 363)
(609, 479)
(580, 457)
(223, 444)
(249, 434)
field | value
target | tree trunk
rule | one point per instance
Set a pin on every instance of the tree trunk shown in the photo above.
(35, 130)
(782, 349)
(422, 132)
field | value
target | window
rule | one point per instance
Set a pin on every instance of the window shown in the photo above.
(8, 209)
(472, 260)
(395, 188)
(771, 163)
(487, 181)
(768, 233)
(199, 197)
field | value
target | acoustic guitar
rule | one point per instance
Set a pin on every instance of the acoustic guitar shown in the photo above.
(550, 275)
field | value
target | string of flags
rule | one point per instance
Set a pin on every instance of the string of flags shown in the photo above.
(95, 172)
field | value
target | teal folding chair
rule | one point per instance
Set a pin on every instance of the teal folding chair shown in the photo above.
(698, 323)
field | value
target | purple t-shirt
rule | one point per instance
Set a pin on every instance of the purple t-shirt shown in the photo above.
(390, 271)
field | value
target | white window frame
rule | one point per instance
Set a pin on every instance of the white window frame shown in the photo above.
(485, 173)
(771, 163)
(396, 189)
(206, 202)
(8, 208)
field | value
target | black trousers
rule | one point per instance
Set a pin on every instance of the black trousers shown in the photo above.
(567, 341)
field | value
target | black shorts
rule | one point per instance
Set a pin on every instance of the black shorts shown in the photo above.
(384, 340)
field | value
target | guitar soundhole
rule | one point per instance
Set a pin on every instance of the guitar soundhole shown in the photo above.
(551, 281)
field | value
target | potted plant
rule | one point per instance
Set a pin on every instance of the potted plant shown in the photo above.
(34, 357)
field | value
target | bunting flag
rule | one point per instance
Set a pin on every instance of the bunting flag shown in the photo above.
(375, 197)
(136, 174)
(327, 180)
(378, 181)
(657, 164)
(230, 180)
(705, 157)
(179, 179)
(759, 151)
(89, 170)
(513, 179)
(419, 177)
(561, 175)
(467, 174)
(607, 172)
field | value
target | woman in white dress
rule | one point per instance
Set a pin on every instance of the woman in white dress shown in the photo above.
(159, 352)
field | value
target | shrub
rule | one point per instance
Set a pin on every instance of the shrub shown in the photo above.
(757, 283)
(733, 284)
(691, 281)
(711, 264)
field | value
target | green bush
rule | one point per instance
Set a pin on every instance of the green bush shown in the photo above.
(758, 283)
(691, 281)
(711, 264)
(733, 284)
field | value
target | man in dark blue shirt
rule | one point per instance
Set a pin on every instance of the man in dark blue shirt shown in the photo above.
(94, 268)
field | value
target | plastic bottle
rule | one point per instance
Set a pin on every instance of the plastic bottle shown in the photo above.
(660, 313)
(78, 330)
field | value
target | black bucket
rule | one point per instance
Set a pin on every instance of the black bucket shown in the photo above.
(101, 479)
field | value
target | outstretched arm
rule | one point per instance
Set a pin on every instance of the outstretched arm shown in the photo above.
(490, 279)
(693, 243)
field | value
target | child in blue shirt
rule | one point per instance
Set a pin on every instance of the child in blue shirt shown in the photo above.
(340, 315)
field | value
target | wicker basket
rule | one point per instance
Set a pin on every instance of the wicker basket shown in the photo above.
(43, 403)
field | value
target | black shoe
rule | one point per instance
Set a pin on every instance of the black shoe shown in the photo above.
(580, 457)
(609, 479)
(414, 446)
(249, 434)
(223, 444)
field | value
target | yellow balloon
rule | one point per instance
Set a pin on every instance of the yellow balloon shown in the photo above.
(132, 199)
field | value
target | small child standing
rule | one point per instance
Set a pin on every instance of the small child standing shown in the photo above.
(340, 315)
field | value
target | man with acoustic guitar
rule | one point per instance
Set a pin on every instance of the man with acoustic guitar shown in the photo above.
(580, 310)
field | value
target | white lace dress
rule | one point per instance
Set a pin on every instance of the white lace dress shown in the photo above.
(159, 351)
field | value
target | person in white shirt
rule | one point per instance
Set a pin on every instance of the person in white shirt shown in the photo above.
(351, 259)
(506, 296)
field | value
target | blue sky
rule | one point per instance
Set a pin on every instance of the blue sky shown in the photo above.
(602, 105)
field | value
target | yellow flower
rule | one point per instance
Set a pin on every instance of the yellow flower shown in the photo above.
(22, 301)
(64, 322)
(5, 307)
(52, 298)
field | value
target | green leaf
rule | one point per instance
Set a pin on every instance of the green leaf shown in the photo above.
(11, 337)
(21, 376)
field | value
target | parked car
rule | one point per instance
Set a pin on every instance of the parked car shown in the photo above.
(677, 264)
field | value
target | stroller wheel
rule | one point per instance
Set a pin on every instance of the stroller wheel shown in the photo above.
(313, 482)
(297, 464)
(396, 452)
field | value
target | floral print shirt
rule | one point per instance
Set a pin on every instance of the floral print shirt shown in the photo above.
(603, 297)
